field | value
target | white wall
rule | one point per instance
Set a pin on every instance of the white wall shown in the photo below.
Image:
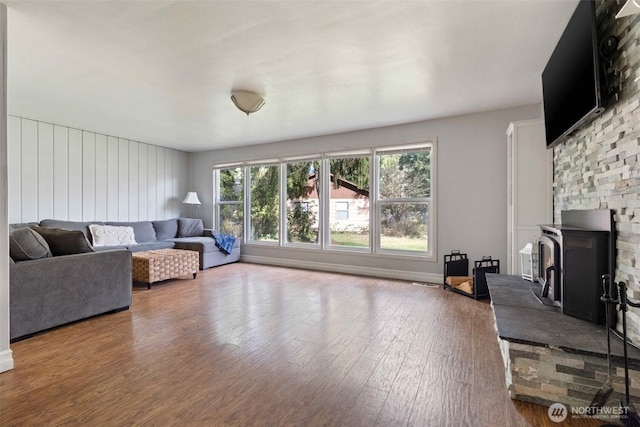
(472, 189)
(6, 357)
(71, 174)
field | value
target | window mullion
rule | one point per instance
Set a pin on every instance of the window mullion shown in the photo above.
(374, 210)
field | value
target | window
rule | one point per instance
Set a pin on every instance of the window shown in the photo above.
(349, 199)
(342, 210)
(369, 201)
(404, 195)
(230, 206)
(264, 199)
(303, 202)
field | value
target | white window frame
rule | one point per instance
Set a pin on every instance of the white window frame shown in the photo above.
(219, 203)
(326, 190)
(284, 225)
(431, 252)
(247, 201)
(324, 202)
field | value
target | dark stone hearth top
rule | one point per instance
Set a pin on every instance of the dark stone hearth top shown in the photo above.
(522, 318)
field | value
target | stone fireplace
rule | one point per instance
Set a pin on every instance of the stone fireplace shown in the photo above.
(598, 167)
(550, 357)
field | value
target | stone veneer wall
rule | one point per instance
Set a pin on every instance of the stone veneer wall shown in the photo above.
(598, 167)
(545, 376)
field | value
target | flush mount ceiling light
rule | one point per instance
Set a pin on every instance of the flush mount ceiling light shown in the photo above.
(630, 7)
(246, 101)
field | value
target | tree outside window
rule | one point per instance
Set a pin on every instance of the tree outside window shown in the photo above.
(265, 198)
(349, 184)
(230, 210)
(303, 201)
(404, 196)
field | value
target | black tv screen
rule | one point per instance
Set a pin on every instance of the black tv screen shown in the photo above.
(571, 89)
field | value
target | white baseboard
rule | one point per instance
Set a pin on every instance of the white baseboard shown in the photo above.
(6, 360)
(348, 269)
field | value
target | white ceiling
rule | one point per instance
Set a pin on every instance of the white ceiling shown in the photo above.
(161, 72)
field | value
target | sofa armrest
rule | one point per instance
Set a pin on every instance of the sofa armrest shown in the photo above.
(53, 291)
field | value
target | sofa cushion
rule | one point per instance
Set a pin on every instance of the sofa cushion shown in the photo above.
(190, 227)
(65, 242)
(25, 244)
(200, 244)
(112, 235)
(166, 229)
(143, 230)
(70, 225)
(150, 246)
(22, 225)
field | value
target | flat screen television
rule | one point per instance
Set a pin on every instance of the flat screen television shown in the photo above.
(571, 80)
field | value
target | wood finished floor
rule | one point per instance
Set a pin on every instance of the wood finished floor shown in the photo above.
(247, 344)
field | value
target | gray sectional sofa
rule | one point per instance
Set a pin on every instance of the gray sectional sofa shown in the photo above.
(58, 276)
(178, 233)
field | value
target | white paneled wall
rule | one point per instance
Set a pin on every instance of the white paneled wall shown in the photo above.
(65, 173)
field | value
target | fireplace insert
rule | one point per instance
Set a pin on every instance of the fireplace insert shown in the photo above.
(573, 257)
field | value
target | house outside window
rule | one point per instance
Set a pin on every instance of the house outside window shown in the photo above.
(348, 186)
(342, 210)
(303, 181)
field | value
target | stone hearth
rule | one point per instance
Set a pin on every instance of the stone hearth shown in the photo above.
(550, 357)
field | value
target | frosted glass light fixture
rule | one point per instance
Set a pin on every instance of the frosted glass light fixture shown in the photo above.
(246, 101)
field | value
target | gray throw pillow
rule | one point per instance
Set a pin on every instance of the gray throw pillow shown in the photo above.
(65, 242)
(25, 244)
(166, 229)
(69, 225)
(190, 227)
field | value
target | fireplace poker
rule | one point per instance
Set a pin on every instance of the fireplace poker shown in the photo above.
(631, 419)
(605, 391)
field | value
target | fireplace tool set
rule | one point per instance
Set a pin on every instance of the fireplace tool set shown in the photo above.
(630, 416)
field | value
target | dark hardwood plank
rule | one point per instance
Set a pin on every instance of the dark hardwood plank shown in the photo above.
(249, 345)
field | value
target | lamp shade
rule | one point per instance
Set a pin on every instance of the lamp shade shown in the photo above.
(246, 101)
(192, 198)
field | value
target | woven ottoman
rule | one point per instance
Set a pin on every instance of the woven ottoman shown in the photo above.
(162, 264)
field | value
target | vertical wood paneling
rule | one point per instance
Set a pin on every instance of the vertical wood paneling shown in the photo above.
(64, 173)
(29, 170)
(112, 179)
(143, 179)
(60, 172)
(152, 182)
(177, 159)
(133, 181)
(160, 177)
(169, 197)
(123, 180)
(88, 176)
(14, 168)
(75, 175)
(101, 178)
(45, 170)
(180, 173)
